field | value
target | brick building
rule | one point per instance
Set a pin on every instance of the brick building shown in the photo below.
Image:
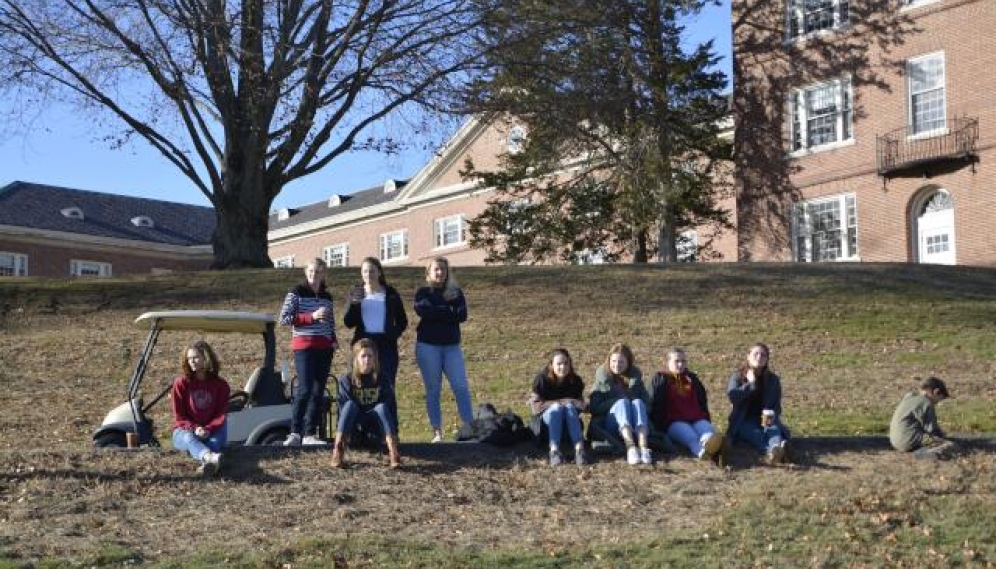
(401, 222)
(865, 131)
(59, 232)
(408, 223)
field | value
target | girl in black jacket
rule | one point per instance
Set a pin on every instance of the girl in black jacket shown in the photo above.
(558, 399)
(376, 312)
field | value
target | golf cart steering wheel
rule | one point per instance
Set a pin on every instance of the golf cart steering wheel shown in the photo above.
(237, 401)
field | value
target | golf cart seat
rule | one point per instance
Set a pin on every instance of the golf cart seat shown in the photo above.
(239, 400)
(253, 383)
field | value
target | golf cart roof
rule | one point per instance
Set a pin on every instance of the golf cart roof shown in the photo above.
(207, 320)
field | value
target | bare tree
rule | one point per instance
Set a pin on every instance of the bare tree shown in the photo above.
(242, 96)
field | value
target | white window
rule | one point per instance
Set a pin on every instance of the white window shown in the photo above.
(826, 229)
(590, 257)
(913, 3)
(336, 255)
(449, 231)
(79, 268)
(808, 16)
(516, 139)
(926, 88)
(286, 262)
(688, 246)
(821, 115)
(394, 245)
(13, 264)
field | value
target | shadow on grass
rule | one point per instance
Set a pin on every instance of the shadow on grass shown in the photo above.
(243, 463)
(809, 452)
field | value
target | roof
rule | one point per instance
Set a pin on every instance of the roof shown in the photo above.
(207, 321)
(321, 210)
(39, 206)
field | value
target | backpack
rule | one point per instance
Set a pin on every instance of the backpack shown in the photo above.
(490, 426)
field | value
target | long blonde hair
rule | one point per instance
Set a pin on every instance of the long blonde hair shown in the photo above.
(355, 377)
(451, 282)
(620, 348)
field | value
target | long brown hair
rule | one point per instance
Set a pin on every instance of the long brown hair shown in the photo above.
(571, 376)
(620, 348)
(355, 377)
(381, 279)
(213, 367)
(746, 364)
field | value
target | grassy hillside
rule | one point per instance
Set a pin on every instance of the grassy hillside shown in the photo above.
(847, 340)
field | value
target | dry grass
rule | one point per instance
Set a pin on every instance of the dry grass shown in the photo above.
(847, 340)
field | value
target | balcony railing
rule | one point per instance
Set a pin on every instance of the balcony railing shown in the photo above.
(903, 149)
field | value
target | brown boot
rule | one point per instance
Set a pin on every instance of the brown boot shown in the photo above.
(338, 451)
(392, 451)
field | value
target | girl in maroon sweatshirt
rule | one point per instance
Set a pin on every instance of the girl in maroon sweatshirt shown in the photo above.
(200, 407)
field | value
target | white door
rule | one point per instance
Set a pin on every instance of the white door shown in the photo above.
(935, 231)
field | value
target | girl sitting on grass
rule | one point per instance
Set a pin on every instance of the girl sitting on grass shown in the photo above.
(557, 399)
(756, 415)
(200, 407)
(620, 400)
(680, 408)
(364, 396)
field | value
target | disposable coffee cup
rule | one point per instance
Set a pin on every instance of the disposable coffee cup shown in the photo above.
(767, 417)
(131, 439)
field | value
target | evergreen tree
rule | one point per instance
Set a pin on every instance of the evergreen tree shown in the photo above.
(622, 148)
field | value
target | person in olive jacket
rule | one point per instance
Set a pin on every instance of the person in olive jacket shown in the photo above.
(620, 400)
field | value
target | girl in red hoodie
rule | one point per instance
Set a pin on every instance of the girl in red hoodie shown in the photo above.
(200, 407)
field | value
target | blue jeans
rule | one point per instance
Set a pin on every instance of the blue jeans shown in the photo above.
(761, 438)
(433, 362)
(188, 441)
(691, 435)
(313, 368)
(350, 413)
(555, 416)
(626, 413)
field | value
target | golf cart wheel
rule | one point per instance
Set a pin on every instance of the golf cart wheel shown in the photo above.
(113, 439)
(275, 436)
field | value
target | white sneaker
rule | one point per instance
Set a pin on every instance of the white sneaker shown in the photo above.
(210, 463)
(437, 436)
(632, 455)
(646, 457)
(312, 440)
(292, 440)
(777, 454)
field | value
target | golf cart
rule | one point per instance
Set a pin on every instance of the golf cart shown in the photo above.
(258, 414)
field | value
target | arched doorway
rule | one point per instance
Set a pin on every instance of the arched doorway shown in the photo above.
(933, 217)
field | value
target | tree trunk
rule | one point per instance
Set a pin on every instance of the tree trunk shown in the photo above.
(667, 236)
(640, 254)
(667, 243)
(242, 215)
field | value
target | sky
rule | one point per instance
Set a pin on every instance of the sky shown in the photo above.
(61, 150)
